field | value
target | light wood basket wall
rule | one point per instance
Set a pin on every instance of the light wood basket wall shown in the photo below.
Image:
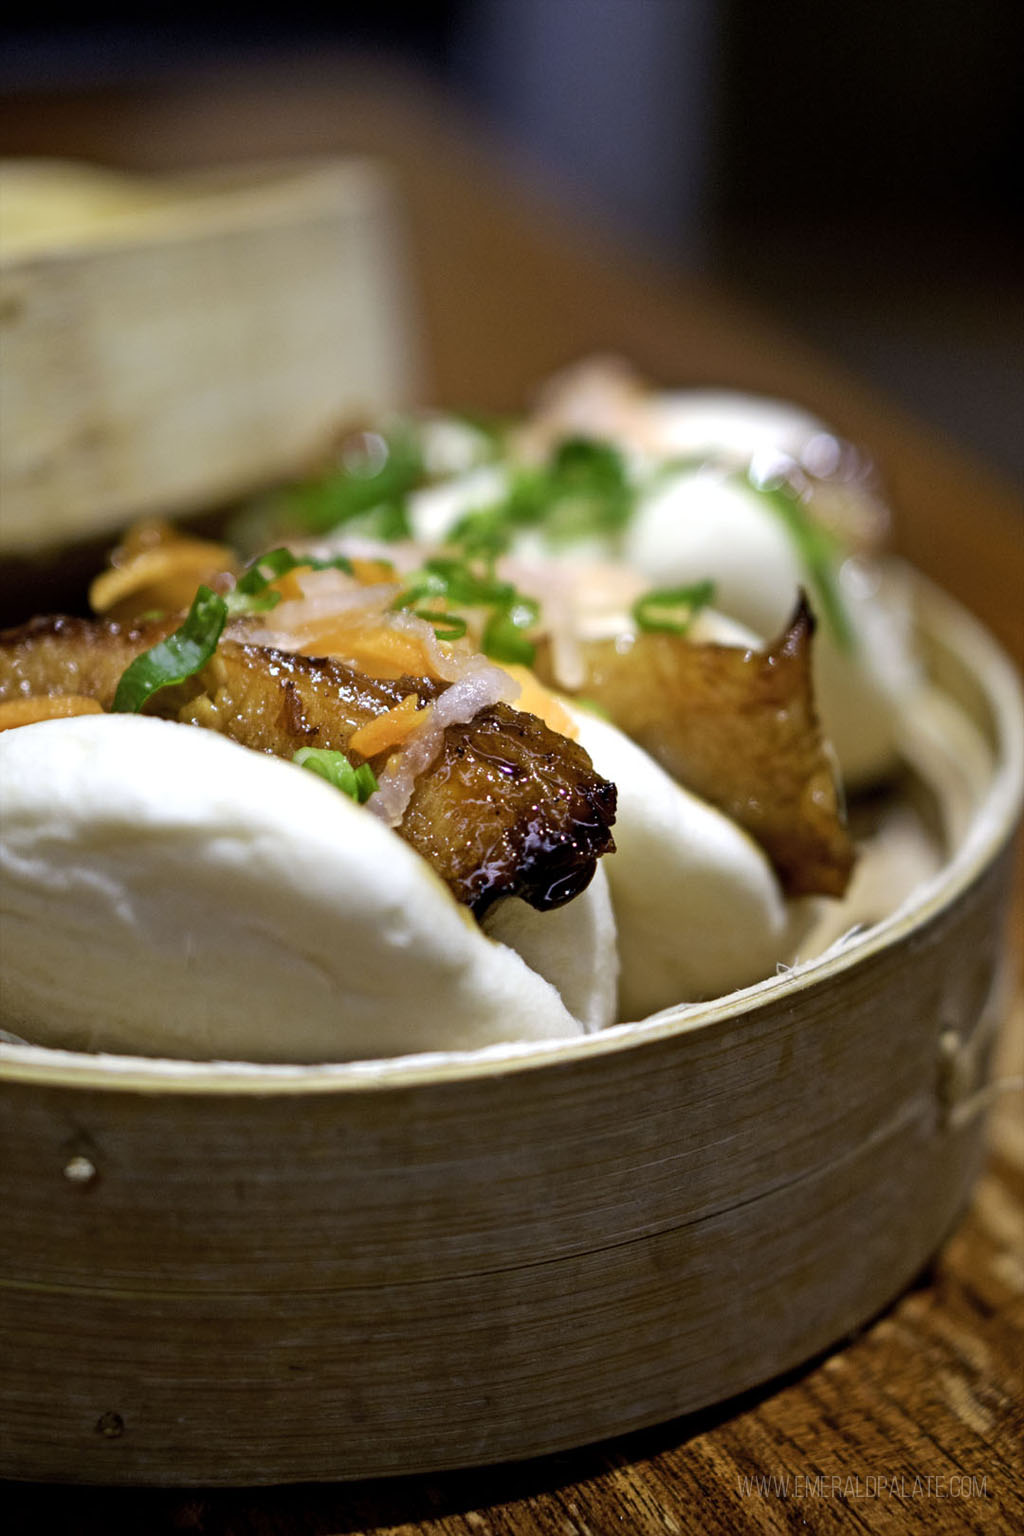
(197, 338)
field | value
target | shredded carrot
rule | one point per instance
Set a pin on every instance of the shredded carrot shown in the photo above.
(289, 585)
(535, 699)
(390, 729)
(164, 576)
(56, 706)
(369, 573)
(385, 653)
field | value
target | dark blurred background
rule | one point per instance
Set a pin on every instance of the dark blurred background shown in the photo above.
(854, 169)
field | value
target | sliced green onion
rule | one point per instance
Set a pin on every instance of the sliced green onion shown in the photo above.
(452, 580)
(818, 550)
(671, 610)
(242, 603)
(503, 637)
(447, 626)
(484, 534)
(582, 492)
(420, 585)
(252, 593)
(455, 580)
(366, 491)
(358, 783)
(278, 562)
(361, 488)
(265, 569)
(388, 521)
(181, 655)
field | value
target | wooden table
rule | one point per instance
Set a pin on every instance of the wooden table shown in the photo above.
(917, 1424)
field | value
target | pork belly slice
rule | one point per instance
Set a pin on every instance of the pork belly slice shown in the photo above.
(739, 729)
(507, 808)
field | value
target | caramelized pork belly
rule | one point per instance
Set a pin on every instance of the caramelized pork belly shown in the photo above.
(507, 808)
(739, 729)
(63, 655)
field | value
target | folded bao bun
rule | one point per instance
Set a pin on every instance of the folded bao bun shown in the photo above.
(698, 909)
(707, 525)
(168, 892)
(699, 525)
(575, 947)
(728, 422)
(687, 907)
(701, 521)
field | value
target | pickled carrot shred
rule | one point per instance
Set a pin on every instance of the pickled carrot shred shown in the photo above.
(390, 729)
(289, 585)
(370, 573)
(383, 652)
(535, 699)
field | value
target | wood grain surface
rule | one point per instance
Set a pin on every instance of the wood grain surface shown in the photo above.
(917, 1424)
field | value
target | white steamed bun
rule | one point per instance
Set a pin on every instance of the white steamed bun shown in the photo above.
(574, 947)
(700, 525)
(698, 910)
(164, 891)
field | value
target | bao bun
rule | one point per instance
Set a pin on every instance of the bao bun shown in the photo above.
(168, 892)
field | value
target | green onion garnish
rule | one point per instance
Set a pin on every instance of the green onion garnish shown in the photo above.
(592, 490)
(503, 637)
(366, 493)
(582, 492)
(455, 581)
(251, 595)
(241, 604)
(817, 549)
(265, 569)
(358, 783)
(447, 626)
(189, 648)
(181, 655)
(364, 486)
(671, 610)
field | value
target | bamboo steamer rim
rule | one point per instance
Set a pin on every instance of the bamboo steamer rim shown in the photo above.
(992, 827)
(199, 204)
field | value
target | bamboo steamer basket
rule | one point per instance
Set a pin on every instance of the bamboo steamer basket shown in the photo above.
(171, 343)
(239, 1275)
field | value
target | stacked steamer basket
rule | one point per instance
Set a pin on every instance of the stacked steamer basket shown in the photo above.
(172, 343)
